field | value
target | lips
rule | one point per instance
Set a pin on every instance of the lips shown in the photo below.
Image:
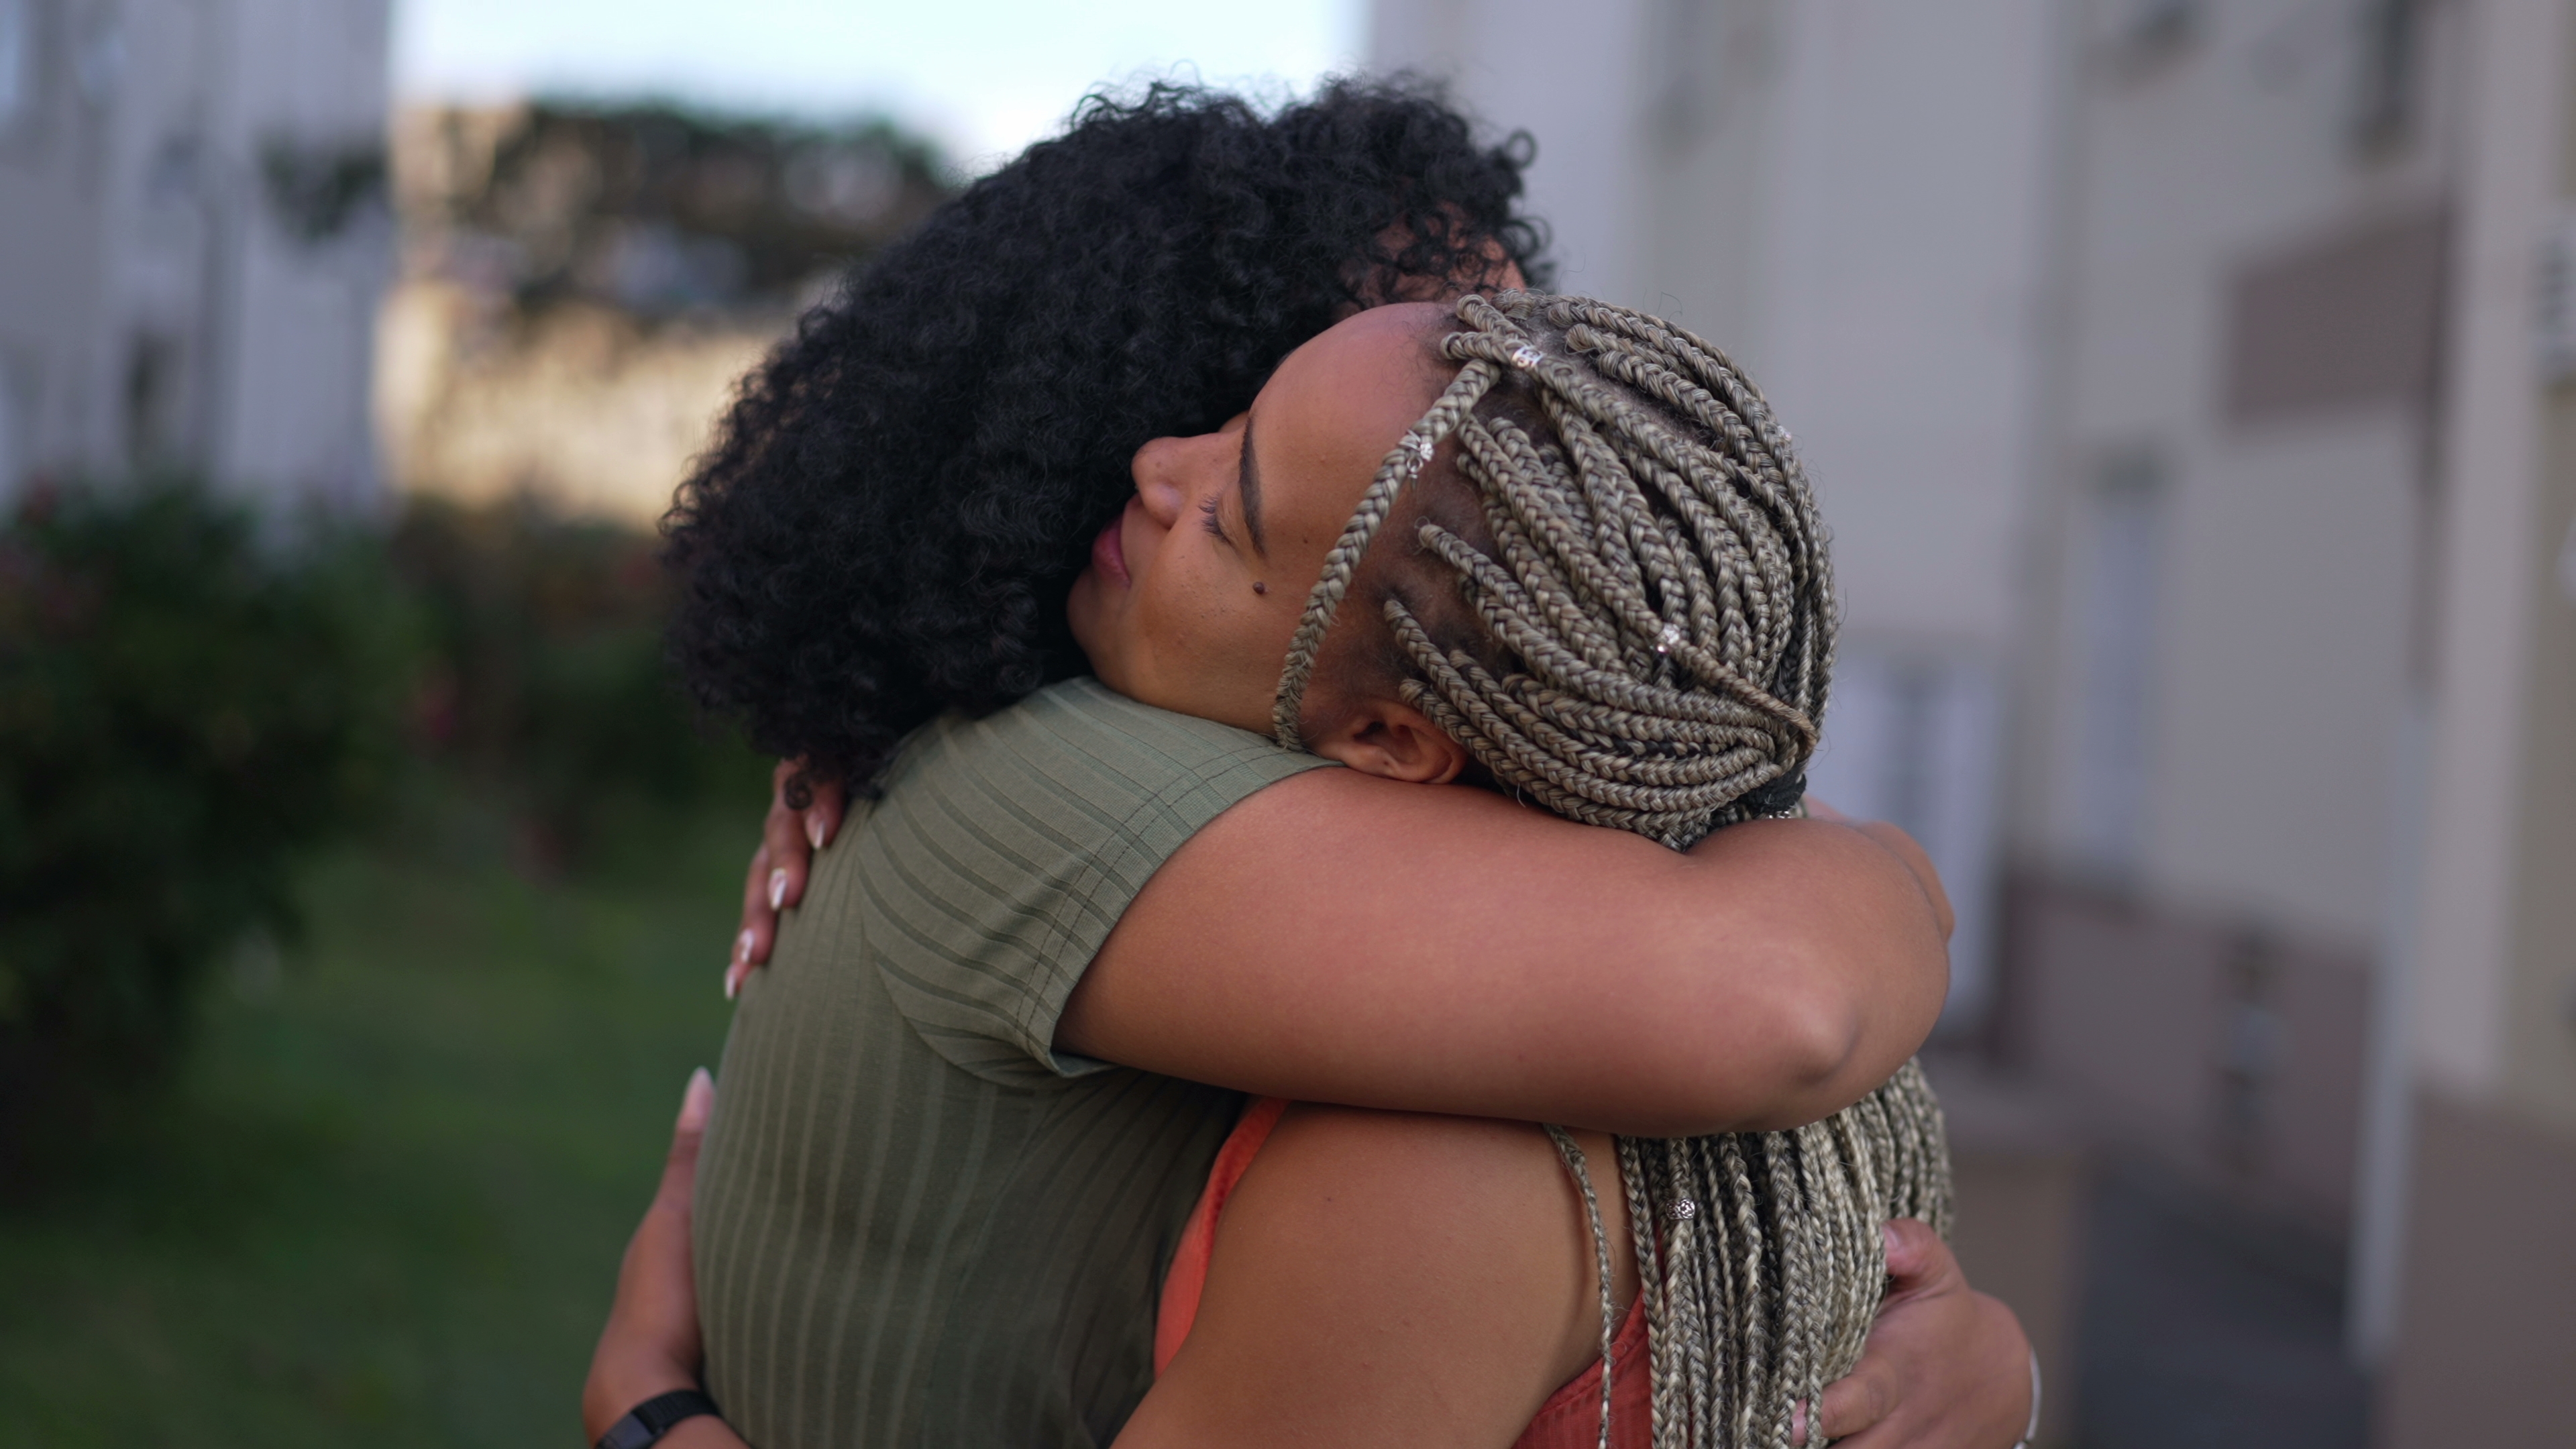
(1109, 552)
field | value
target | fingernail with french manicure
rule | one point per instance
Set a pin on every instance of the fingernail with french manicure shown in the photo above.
(777, 889)
(814, 829)
(733, 979)
(697, 1099)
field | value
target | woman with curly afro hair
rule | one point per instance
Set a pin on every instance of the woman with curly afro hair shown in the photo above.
(964, 1120)
(902, 493)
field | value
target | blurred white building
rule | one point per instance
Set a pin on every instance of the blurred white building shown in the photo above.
(1813, 188)
(2186, 385)
(192, 239)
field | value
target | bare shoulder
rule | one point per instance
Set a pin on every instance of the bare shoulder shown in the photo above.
(1456, 1194)
(1390, 1278)
(1451, 1209)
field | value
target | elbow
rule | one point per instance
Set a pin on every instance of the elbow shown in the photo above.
(1788, 1058)
(1820, 1056)
(1812, 1011)
(1834, 1038)
(1757, 1057)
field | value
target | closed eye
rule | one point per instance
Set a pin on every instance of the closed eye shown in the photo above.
(1214, 525)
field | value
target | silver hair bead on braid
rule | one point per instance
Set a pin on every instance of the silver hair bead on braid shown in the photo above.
(1658, 583)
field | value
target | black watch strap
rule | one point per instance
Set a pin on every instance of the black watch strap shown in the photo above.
(648, 1421)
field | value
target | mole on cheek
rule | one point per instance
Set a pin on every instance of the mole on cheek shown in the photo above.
(1259, 587)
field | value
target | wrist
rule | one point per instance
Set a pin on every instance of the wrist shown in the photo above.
(615, 1389)
(653, 1423)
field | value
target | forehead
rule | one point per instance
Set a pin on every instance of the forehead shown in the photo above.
(1334, 408)
(1398, 343)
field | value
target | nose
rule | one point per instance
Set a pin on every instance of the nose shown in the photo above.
(1175, 474)
(1161, 470)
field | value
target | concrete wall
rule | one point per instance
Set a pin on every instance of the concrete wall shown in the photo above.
(2539, 1042)
(2487, 1344)
(2276, 629)
(2540, 1036)
(2023, 1173)
(2211, 813)
(2479, 1321)
(2228, 1053)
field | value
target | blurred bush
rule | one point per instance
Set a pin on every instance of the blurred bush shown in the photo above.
(194, 699)
(544, 681)
(189, 701)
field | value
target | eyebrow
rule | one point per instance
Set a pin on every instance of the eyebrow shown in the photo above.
(1248, 484)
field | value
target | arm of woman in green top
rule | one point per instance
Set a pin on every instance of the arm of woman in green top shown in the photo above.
(1530, 969)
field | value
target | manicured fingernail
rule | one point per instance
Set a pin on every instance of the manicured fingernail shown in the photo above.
(814, 829)
(697, 1099)
(777, 889)
(742, 947)
(733, 979)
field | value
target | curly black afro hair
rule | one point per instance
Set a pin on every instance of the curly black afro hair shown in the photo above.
(902, 493)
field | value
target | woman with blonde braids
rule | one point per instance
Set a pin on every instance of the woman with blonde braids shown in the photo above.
(1616, 603)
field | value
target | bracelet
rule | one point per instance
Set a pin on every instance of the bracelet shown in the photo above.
(647, 1422)
(2033, 1431)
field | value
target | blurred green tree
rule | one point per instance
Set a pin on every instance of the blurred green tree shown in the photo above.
(195, 699)
(191, 699)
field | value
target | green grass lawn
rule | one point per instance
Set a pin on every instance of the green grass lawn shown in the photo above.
(385, 1202)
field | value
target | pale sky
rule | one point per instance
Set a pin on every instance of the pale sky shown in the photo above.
(985, 77)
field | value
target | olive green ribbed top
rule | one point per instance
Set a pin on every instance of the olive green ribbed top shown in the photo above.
(917, 1223)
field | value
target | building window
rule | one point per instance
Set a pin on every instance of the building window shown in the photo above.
(2119, 595)
(13, 440)
(2251, 1040)
(2384, 79)
(2555, 304)
(152, 422)
(17, 61)
(2140, 32)
(1676, 78)
(2349, 319)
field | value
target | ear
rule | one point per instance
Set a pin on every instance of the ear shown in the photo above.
(1392, 739)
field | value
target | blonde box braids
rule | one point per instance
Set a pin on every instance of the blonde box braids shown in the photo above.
(1658, 580)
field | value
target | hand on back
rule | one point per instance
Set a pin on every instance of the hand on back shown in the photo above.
(780, 867)
(1946, 1367)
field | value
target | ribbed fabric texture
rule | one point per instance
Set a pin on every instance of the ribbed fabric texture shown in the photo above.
(917, 1224)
